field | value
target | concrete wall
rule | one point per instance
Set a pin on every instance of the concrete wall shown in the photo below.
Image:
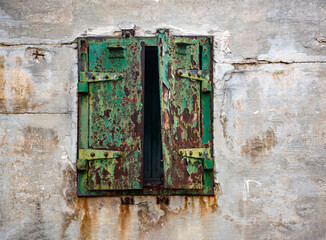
(269, 121)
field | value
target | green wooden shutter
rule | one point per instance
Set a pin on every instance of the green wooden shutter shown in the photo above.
(110, 115)
(186, 113)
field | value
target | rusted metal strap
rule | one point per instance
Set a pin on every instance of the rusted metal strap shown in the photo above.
(99, 76)
(90, 77)
(91, 154)
(200, 75)
(199, 153)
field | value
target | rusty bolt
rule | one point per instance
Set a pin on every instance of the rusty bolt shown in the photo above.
(106, 77)
(93, 77)
(106, 154)
(200, 153)
(181, 153)
(92, 154)
(198, 75)
(190, 153)
(180, 72)
(189, 74)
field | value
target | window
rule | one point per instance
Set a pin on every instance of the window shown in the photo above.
(145, 116)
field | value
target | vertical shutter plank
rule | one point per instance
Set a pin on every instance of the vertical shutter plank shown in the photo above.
(181, 115)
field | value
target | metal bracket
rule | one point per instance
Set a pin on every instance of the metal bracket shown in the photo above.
(200, 75)
(91, 154)
(89, 77)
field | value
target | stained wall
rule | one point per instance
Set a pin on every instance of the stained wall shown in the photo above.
(269, 121)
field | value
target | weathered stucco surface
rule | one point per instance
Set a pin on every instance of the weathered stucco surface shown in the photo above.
(269, 121)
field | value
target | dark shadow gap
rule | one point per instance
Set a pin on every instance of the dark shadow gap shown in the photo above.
(152, 129)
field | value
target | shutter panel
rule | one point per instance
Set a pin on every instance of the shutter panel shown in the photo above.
(186, 120)
(111, 115)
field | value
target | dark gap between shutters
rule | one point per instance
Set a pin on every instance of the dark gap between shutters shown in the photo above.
(152, 150)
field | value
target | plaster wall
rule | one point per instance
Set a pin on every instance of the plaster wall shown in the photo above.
(269, 121)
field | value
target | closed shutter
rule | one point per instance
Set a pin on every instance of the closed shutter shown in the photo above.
(111, 115)
(186, 113)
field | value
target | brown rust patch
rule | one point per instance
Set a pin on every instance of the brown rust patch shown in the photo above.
(70, 186)
(238, 105)
(152, 217)
(35, 140)
(209, 204)
(86, 227)
(280, 77)
(258, 145)
(84, 46)
(69, 195)
(202, 206)
(214, 205)
(21, 88)
(165, 93)
(166, 120)
(124, 218)
(3, 137)
(2, 84)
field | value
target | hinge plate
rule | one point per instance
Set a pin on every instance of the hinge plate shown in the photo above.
(200, 75)
(99, 76)
(91, 154)
(90, 77)
(202, 153)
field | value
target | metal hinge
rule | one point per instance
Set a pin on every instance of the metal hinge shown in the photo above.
(127, 33)
(91, 154)
(199, 153)
(89, 77)
(200, 75)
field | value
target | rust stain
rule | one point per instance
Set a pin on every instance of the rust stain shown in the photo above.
(214, 205)
(229, 218)
(70, 197)
(202, 206)
(86, 227)
(166, 120)
(21, 87)
(2, 84)
(3, 140)
(258, 145)
(37, 140)
(124, 218)
(70, 186)
(193, 204)
(238, 105)
(280, 77)
(186, 204)
(224, 120)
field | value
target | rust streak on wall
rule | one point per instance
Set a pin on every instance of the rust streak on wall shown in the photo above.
(2, 84)
(86, 227)
(124, 215)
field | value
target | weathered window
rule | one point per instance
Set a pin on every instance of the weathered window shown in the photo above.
(145, 116)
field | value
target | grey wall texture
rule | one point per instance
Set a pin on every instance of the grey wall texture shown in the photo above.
(269, 120)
